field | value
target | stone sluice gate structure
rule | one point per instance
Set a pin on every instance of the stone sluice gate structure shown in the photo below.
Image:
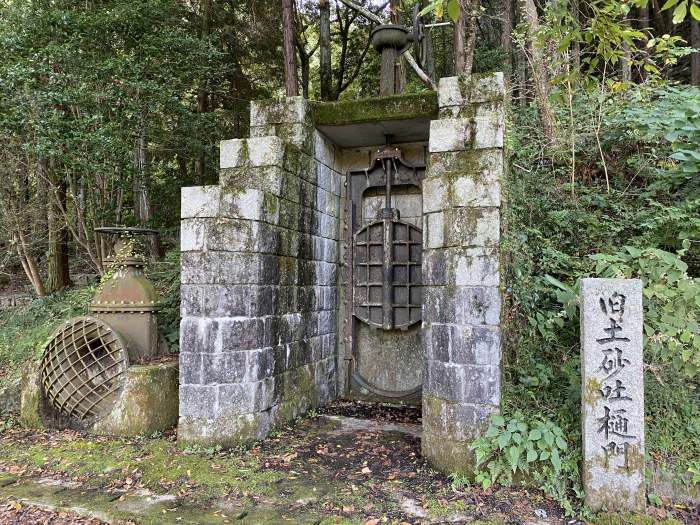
(350, 250)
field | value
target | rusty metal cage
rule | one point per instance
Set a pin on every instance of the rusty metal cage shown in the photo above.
(84, 368)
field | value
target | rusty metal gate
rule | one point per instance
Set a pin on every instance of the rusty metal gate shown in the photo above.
(384, 296)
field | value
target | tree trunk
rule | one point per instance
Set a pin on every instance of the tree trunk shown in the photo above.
(143, 209)
(291, 79)
(465, 37)
(325, 50)
(459, 40)
(626, 63)
(58, 270)
(29, 265)
(471, 27)
(200, 164)
(506, 35)
(540, 78)
(576, 45)
(695, 57)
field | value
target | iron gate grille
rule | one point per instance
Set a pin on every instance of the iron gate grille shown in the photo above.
(83, 368)
(387, 291)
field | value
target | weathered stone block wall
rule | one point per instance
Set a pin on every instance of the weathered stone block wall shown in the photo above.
(462, 301)
(259, 281)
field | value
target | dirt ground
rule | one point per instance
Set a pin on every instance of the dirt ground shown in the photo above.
(354, 464)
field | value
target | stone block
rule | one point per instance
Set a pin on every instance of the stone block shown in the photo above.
(475, 266)
(260, 364)
(463, 344)
(236, 235)
(449, 135)
(468, 305)
(435, 194)
(237, 300)
(190, 368)
(198, 401)
(253, 152)
(148, 403)
(325, 152)
(489, 130)
(612, 388)
(487, 88)
(228, 268)
(463, 179)
(199, 201)
(192, 234)
(245, 398)
(461, 266)
(457, 421)
(451, 92)
(224, 367)
(464, 227)
(191, 300)
(226, 431)
(10, 395)
(269, 179)
(250, 203)
(447, 455)
(279, 111)
(473, 384)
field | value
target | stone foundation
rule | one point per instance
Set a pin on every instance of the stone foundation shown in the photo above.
(148, 403)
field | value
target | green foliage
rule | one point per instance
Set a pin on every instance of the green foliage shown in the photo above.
(681, 8)
(440, 6)
(671, 304)
(516, 449)
(24, 331)
(165, 275)
(667, 114)
(647, 226)
(604, 37)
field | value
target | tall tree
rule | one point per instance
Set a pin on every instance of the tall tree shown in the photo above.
(58, 273)
(325, 66)
(540, 75)
(291, 79)
(203, 94)
(506, 35)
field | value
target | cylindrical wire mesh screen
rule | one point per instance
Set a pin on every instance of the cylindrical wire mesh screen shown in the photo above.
(83, 368)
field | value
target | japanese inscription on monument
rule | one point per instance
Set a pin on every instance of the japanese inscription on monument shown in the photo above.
(612, 393)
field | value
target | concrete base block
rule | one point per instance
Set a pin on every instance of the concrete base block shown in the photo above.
(148, 403)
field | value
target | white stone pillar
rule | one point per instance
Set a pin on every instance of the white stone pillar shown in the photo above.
(612, 394)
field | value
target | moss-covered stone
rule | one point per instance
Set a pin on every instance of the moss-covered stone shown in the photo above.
(31, 401)
(10, 397)
(448, 455)
(614, 518)
(396, 107)
(147, 404)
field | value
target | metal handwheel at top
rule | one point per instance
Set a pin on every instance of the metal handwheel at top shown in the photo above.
(83, 368)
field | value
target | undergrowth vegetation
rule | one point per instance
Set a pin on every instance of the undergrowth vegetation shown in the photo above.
(628, 209)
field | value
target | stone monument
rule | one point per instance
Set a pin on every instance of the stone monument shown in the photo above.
(612, 394)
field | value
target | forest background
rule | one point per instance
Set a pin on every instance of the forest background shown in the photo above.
(109, 107)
